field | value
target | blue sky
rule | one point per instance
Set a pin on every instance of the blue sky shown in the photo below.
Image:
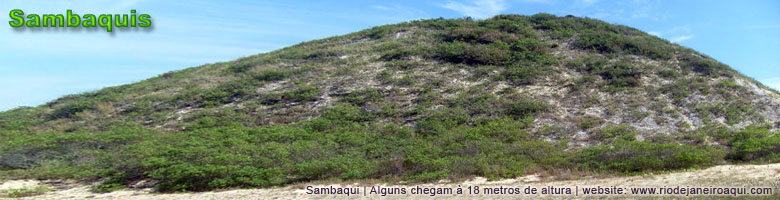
(39, 66)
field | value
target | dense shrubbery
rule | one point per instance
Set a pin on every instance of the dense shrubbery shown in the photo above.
(635, 156)
(526, 108)
(482, 54)
(272, 75)
(380, 31)
(361, 97)
(610, 42)
(397, 51)
(240, 67)
(593, 34)
(619, 75)
(755, 144)
(704, 65)
(227, 92)
(335, 146)
(345, 144)
(302, 93)
(614, 133)
(516, 48)
(70, 109)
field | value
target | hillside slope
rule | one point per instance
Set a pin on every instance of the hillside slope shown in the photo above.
(497, 97)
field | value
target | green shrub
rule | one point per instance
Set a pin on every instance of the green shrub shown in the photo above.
(227, 92)
(635, 156)
(139, 108)
(480, 54)
(69, 109)
(302, 93)
(598, 41)
(523, 74)
(610, 42)
(614, 133)
(728, 84)
(508, 23)
(398, 53)
(669, 73)
(467, 33)
(540, 18)
(529, 49)
(75, 155)
(380, 32)
(439, 121)
(272, 75)
(346, 144)
(704, 65)
(361, 97)
(478, 102)
(755, 144)
(497, 36)
(621, 75)
(240, 67)
(589, 122)
(401, 64)
(347, 112)
(523, 108)
(594, 64)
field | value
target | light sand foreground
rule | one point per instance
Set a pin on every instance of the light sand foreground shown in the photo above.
(741, 177)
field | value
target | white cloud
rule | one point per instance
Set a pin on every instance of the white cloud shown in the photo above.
(478, 8)
(681, 38)
(676, 34)
(772, 82)
(684, 29)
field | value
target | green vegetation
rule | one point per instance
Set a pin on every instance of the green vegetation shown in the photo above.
(613, 133)
(615, 43)
(526, 108)
(346, 144)
(635, 156)
(755, 144)
(704, 65)
(70, 109)
(25, 192)
(418, 101)
(619, 75)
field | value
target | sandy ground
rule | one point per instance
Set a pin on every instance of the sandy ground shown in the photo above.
(745, 177)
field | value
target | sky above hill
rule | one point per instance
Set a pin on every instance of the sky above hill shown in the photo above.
(40, 65)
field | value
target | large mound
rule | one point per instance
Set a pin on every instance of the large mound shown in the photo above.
(423, 100)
